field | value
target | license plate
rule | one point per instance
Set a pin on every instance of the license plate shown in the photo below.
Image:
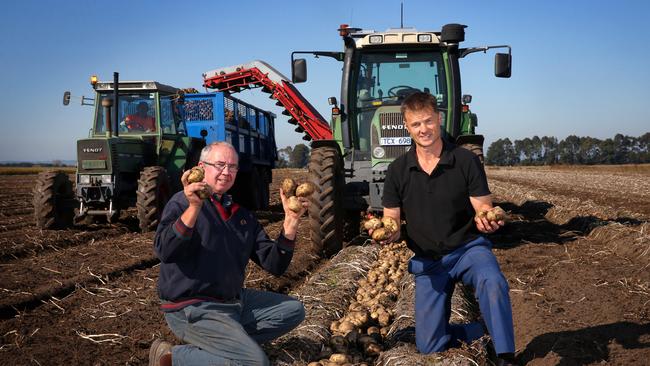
(395, 141)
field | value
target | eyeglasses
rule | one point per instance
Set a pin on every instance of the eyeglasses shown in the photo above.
(221, 165)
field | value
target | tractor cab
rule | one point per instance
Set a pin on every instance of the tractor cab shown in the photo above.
(144, 108)
(381, 79)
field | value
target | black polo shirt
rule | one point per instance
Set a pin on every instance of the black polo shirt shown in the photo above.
(439, 215)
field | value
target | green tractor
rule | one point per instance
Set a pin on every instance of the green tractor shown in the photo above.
(351, 154)
(135, 154)
(379, 69)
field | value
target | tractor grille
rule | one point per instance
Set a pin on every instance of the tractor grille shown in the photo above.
(391, 125)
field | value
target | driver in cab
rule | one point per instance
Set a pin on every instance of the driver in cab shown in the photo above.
(141, 120)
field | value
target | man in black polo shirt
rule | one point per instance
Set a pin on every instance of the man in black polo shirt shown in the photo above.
(439, 187)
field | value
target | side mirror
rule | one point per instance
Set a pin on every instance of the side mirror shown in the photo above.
(332, 101)
(66, 98)
(299, 70)
(467, 99)
(502, 65)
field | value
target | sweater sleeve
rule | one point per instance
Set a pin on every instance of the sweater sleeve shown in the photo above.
(272, 255)
(172, 239)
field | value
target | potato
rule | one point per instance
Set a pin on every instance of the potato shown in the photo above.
(358, 318)
(352, 337)
(294, 204)
(390, 224)
(334, 326)
(339, 344)
(289, 187)
(481, 214)
(372, 224)
(372, 330)
(372, 349)
(305, 190)
(196, 175)
(381, 234)
(339, 358)
(383, 319)
(497, 214)
(345, 327)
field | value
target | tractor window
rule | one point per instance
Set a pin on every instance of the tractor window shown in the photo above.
(137, 114)
(170, 118)
(386, 78)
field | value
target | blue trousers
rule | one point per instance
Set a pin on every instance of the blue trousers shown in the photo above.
(473, 264)
(231, 333)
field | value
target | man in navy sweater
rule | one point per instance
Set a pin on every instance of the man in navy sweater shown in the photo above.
(204, 246)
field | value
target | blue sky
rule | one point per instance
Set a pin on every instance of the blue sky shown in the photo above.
(579, 67)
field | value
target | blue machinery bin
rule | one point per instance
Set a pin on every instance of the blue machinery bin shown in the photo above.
(249, 129)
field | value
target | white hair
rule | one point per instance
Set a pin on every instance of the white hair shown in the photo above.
(206, 150)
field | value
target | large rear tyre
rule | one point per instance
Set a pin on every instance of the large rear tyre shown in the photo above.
(51, 197)
(152, 196)
(476, 149)
(326, 209)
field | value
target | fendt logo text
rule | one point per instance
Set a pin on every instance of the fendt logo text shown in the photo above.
(392, 127)
(91, 149)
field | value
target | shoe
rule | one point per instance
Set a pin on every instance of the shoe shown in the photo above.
(160, 353)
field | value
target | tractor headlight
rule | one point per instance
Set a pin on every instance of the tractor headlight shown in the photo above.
(424, 38)
(107, 178)
(376, 39)
(84, 179)
(379, 152)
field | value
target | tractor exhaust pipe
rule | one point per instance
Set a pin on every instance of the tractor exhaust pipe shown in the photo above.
(107, 103)
(116, 108)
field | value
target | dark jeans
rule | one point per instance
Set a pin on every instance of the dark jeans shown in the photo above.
(231, 333)
(473, 264)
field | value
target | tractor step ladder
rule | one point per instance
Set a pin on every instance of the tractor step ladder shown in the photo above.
(259, 74)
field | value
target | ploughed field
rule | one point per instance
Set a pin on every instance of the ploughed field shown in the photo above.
(576, 256)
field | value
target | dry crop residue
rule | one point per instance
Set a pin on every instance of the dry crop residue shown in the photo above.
(576, 256)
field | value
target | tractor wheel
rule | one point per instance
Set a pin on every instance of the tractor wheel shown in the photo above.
(476, 149)
(52, 193)
(153, 193)
(326, 209)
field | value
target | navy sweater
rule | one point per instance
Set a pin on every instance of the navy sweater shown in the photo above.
(208, 262)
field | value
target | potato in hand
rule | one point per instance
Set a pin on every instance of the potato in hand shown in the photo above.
(495, 214)
(196, 175)
(289, 187)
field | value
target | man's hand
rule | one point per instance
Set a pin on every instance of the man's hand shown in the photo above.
(395, 214)
(483, 204)
(292, 218)
(486, 226)
(191, 190)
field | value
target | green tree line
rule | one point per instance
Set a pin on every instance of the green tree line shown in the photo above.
(572, 150)
(293, 157)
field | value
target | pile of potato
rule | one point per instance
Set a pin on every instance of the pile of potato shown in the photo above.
(293, 190)
(357, 336)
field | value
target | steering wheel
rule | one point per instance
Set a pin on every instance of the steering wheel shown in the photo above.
(401, 91)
